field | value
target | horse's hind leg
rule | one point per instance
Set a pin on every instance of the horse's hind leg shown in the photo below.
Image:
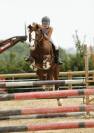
(50, 77)
(56, 77)
(42, 76)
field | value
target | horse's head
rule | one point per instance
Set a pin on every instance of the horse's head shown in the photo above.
(35, 37)
(39, 36)
(41, 49)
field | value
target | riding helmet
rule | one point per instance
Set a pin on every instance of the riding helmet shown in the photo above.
(46, 20)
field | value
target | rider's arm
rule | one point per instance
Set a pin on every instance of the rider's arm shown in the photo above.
(50, 32)
(48, 36)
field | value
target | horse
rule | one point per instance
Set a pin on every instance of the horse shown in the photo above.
(42, 56)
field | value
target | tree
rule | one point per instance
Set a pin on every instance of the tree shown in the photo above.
(80, 51)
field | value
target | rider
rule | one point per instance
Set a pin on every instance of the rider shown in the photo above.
(47, 31)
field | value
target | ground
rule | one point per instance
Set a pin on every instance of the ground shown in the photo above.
(44, 103)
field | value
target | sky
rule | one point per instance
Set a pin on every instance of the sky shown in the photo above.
(66, 16)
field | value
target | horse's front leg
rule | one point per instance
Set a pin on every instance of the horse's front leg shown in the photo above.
(50, 77)
(41, 76)
(32, 64)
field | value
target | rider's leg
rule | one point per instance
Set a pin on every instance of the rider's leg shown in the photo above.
(57, 60)
(56, 54)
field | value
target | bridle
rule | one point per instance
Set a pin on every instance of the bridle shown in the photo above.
(38, 40)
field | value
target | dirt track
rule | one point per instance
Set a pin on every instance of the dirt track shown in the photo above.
(43, 103)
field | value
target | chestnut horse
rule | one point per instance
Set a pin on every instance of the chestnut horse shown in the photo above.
(42, 56)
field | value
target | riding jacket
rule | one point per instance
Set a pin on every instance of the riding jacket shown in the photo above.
(47, 31)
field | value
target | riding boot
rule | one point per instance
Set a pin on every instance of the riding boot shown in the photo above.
(57, 61)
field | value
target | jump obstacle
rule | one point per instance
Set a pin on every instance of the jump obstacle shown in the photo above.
(45, 82)
(42, 116)
(48, 126)
(64, 109)
(46, 94)
(46, 111)
(27, 85)
(2, 90)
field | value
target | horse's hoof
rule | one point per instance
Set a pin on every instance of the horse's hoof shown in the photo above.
(33, 68)
(59, 103)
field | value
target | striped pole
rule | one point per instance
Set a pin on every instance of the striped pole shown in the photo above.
(46, 94)
(3, 90)
(64, 109)
(48, 126)
(42, 116)
(47, 82)
(33, 75)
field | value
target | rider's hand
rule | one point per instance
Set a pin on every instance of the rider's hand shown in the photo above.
(46, 37)
(35, 25)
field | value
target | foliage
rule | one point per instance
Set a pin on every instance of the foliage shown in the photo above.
(12, 60)
(65, 59)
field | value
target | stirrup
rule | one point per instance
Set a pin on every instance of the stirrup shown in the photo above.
(59, 63)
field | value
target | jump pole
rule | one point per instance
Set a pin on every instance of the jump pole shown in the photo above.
(43, 116)
(46, 94)
(48, 126)
(64, 109)
(47, 82)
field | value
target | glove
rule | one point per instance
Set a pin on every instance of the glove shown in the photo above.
(35, 25)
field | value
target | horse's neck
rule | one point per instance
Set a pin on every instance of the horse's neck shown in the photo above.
(48, 47)
(44, 46)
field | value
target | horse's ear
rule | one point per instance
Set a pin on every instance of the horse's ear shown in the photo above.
(29, 27)
(37, 26)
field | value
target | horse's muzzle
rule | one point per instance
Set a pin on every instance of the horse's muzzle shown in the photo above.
(32, 48)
